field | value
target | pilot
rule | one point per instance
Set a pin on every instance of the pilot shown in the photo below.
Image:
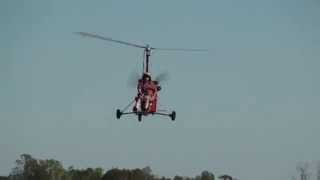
(144, 83)
(146, 88)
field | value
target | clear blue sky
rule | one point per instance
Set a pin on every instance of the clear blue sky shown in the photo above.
(249, 107)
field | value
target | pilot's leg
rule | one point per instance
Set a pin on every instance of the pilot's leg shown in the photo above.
(147, 102)
(138, 104)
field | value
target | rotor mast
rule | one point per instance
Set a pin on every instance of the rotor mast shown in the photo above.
(148, 53)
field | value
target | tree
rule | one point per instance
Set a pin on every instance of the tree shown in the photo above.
(98, 172)
(302, 169)
(225, 177)
(164, 178)
(29, 168)
(147, 171)
(125, 174)
(139, 174)
(318, 170)
(83, 174)
(178, 177)
(51, 169)
(113, 174)
(206, 175)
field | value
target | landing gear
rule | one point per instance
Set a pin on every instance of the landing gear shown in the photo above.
(139, 117)
(119, 113)
(173, 115)
(143, 112)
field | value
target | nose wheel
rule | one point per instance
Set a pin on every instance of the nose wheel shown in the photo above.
(139, 117)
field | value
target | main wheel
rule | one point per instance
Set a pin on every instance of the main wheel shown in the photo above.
(119, 113)
(173, 115)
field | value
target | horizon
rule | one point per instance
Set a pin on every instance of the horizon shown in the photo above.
(248, 108)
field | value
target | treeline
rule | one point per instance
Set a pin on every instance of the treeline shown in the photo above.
(3, 178)
(29, 168)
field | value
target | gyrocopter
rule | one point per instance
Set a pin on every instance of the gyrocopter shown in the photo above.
(146, 101)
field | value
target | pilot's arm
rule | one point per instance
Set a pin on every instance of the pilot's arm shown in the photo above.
(140, 86)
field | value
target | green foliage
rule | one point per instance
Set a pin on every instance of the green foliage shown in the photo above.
(206, 175)
(29, 168)
(84, 174)
(225, 177)
(178, 178)
(125, 174)
(4, 178)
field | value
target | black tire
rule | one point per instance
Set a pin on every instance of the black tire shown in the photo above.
(119, 113)
(139, 117)
(173, 115)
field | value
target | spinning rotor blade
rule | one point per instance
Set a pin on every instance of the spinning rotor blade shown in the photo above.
(133, 80)
(85, 34)
(179, 49)
(134, 77)
(162, 77)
